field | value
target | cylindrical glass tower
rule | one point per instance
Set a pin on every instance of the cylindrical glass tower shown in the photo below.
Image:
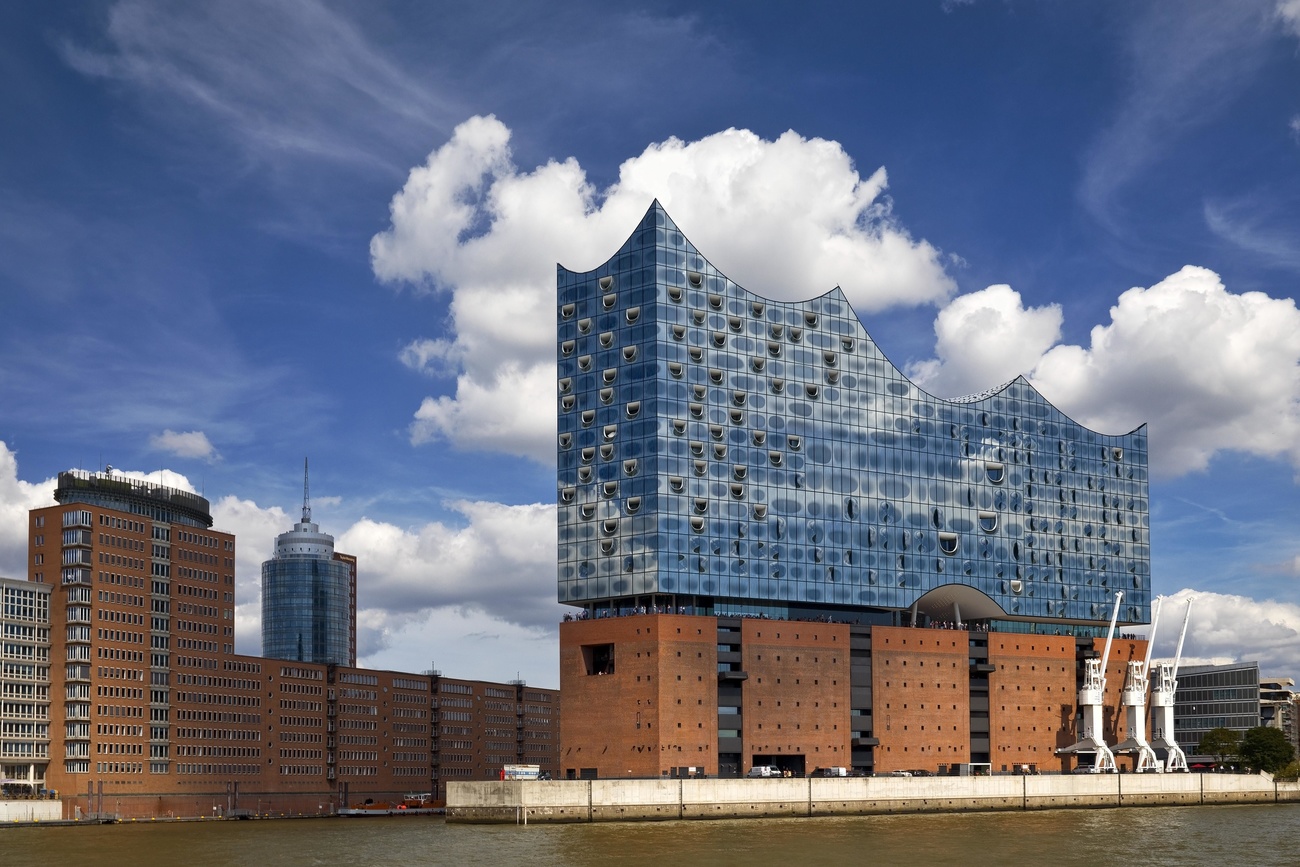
(307, 597)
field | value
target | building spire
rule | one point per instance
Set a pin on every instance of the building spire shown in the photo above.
(306, 495)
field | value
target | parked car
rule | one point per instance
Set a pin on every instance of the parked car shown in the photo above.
(764, 771)
(922, 772)
(831, 772)
(900, 773)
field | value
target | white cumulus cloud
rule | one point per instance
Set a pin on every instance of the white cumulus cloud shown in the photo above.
(1209, 370)
(17, 498)
(1228, 628)
(185, 444)
(986, 338)
(789, 218)
(501, 562)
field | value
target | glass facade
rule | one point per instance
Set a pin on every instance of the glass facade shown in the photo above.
(1214, 696)
(719, 452)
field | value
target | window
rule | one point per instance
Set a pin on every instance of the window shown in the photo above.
(988, 521)
(948, 543)
(995, 472)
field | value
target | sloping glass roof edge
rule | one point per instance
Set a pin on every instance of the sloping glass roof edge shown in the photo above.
(837, 294)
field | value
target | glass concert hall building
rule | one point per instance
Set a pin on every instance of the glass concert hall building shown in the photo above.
(759, 515)
(723, 453)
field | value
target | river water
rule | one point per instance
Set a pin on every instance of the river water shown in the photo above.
(1230, 836)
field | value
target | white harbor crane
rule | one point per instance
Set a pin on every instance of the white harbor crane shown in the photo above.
(1092, 696)
(1165, 684)
(1134, 699)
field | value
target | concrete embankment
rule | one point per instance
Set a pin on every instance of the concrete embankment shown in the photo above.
(651, 800)
(30, 811)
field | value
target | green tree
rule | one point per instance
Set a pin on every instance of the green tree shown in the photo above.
(1219, 742)
(1265, 748)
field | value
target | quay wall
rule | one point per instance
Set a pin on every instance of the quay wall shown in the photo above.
(509, 802)
(30, 811)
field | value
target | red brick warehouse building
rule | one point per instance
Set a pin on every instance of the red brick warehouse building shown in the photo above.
(759, 516)
(152, 713)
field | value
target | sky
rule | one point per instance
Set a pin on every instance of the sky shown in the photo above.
(235, 235)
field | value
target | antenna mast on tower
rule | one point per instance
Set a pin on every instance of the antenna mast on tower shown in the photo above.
(306, 495)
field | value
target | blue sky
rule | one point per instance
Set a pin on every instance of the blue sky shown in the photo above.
(233, 235)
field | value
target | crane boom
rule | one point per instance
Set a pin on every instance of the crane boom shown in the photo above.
(1178, 654)
(1110, 634)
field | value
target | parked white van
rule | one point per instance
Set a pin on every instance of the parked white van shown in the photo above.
(764, 771)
